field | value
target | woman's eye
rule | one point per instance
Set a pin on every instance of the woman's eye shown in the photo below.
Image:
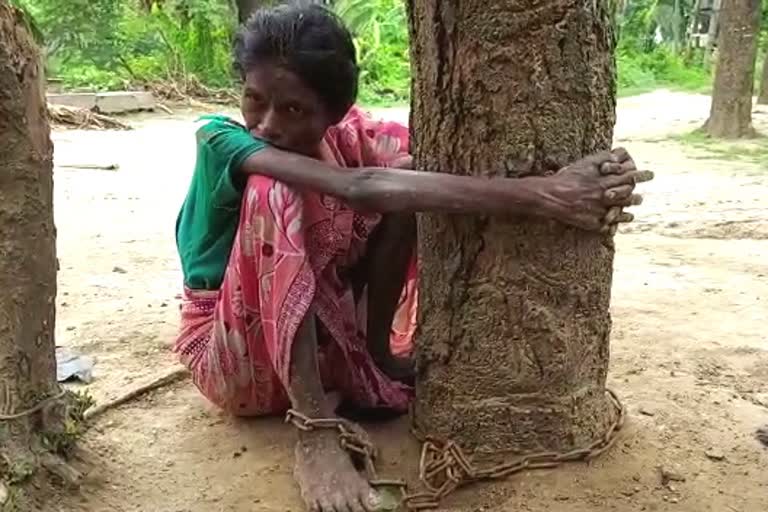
(295, 110)
(253, 98)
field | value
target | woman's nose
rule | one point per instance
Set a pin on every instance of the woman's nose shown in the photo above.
(269, 128)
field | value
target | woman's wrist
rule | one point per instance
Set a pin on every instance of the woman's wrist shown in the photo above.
(534, 195)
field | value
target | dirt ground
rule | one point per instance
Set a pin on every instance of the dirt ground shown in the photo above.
(690, 349)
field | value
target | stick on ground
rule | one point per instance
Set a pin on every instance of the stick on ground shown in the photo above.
(162, 381)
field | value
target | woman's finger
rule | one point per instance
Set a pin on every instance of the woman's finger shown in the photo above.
(617, 168)
(609, 229)
(621, 154)
(618, 193)
(628, 165)
(607, 168)
(629, 178)
(613, 215)
(617, 215)
(625, 201)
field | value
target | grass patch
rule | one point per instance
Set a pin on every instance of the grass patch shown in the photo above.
(753, 151)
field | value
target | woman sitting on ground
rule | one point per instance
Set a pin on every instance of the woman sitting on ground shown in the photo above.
(297, 241)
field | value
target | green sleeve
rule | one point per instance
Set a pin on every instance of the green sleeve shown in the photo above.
(224, 145)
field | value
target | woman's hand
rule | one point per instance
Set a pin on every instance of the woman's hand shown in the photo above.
(592, 192)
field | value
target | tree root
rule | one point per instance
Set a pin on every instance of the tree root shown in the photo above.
(64, 473)
(162, 381)
(83, 118)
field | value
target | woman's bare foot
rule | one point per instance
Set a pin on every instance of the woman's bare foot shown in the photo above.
(327, 478)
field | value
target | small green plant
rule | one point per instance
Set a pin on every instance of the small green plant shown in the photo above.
(660, 67)
(63, 440)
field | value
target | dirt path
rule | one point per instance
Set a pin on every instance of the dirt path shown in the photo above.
(690, 349)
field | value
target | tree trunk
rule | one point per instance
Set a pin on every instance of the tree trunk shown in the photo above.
(712, 32)
(731, 113)
(762, 95)
(514, 325)
(677, 26)
(27, 254)
(691, 48)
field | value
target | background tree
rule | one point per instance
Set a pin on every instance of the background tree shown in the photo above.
(35, 418)
(514, 337)
(731, 112)
(762, 94)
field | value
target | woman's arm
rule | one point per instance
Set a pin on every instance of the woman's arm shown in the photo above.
(580, 195)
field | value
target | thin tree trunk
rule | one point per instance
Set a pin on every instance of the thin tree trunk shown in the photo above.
(731, 112)
(677, 26)
(712, 32)
(762, 95)
(514, 323)
(692, 28)
(27, 254)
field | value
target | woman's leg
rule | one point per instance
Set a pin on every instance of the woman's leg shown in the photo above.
(384, 271)
(324, 471)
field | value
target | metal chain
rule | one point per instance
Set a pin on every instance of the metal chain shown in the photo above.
(37, 407)
(444, 467)
(349, 440)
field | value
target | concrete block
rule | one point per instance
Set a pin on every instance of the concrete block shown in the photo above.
(124, 101)
(106, 102)
(74, 99)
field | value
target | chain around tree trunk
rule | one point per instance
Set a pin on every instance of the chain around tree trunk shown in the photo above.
(444, 467)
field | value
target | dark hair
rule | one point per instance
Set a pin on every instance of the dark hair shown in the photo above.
(308, 40)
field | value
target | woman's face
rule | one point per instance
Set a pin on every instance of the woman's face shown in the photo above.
(280, 109)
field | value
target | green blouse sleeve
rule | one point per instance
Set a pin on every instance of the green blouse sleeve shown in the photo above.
(223, 146)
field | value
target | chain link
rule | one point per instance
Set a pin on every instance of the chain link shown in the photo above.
(350, 440)
(443, 466)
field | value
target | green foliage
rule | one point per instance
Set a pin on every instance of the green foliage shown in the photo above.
(64, 439)
(660, 67)
(651, 51)
(380, 31)
(110, 44)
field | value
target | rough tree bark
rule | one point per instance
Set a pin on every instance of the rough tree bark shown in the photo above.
(762, 94)
(514, 340)
(27, 257)
(731, 113)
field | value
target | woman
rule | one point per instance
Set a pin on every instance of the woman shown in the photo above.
(297, 240)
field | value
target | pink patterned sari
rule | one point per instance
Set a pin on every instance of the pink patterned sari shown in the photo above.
(290, 253)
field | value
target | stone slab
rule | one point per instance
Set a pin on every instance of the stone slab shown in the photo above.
(117, 102)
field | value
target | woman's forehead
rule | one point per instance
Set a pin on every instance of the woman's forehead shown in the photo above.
(276, 77)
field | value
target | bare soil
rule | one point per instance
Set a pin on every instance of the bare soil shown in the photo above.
(690, 342)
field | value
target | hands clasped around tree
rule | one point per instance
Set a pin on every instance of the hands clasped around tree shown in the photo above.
(592, 192)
